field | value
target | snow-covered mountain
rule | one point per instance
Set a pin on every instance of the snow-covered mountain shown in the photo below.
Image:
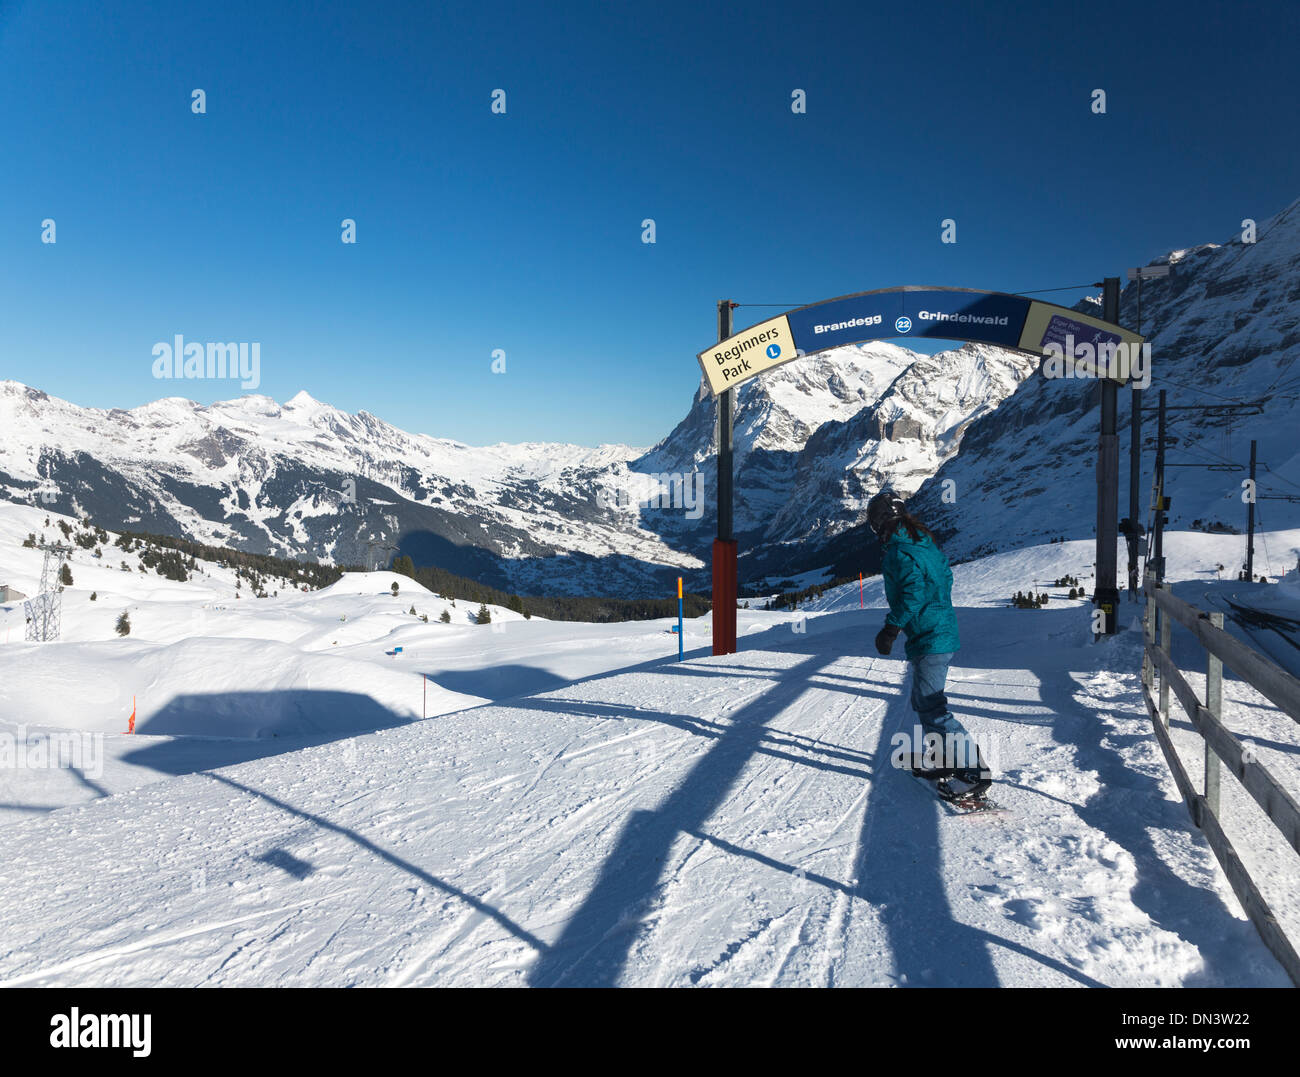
(814, 439)
(1224, 327)
(804, 474)
(304, 478)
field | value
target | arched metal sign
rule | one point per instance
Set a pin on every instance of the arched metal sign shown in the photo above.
(1086, 346)
(997, 318)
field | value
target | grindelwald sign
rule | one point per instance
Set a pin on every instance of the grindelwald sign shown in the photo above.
(1089, 346)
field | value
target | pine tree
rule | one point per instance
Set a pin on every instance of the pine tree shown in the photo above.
(65, 575)
(484, 616)
(445, 618)
(394, 588)
(123, 624)
(94, 596)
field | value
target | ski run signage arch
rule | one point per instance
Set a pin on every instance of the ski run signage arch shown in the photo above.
(1067, 339)
(997, 318)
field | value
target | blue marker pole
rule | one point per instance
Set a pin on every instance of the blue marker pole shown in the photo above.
(681, 638)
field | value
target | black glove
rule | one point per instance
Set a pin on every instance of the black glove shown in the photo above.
(885, 638)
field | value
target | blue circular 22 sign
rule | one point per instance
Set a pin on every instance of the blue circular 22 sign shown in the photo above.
(904, 324)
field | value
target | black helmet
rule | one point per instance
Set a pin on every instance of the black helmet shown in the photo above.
(883, 508)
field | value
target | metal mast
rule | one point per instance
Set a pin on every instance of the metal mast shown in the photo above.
(43, 611)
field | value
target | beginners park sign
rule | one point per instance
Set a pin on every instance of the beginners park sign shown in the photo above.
(998, 318)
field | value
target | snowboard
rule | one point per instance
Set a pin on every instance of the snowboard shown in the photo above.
(977, 805)
(973, 805)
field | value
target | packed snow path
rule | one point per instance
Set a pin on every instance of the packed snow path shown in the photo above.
(729, 820)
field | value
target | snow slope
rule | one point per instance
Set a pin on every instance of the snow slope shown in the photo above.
(613, 816)
(1224, 328)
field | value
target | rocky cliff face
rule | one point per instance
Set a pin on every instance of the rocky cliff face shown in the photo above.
(1225, 330)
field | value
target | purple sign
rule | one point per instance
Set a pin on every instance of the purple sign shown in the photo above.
(1061, 327)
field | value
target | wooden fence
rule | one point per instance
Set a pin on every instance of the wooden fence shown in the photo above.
(1222, 748)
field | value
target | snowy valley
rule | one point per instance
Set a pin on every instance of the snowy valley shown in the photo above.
(577, 807)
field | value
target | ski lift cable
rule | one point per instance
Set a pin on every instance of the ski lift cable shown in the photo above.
(1285, 368)
(1275, 475)
(1212, 455)
(1230, 465)
(1226, 460)
(1040, 291)
(1068, 288)
(1259, 534)
(1206, 392)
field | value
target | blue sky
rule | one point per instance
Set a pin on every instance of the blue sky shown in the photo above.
(522, 231)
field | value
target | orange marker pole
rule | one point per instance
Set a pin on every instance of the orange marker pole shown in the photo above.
(861, 603)
(130, 728)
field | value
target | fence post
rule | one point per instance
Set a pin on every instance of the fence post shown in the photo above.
(1166, 628)
(1148, 634)
(1213, 704)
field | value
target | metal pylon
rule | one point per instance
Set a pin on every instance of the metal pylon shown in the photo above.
(378, 547)
(43, 611)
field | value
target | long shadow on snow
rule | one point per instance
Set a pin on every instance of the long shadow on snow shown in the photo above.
(593, 948)
(379, 851)
(496, 683)
(337, 715)
(901, 873)
(770, 741)
(930, 946)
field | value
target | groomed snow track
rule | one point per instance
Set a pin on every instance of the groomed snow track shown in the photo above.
(723, 821)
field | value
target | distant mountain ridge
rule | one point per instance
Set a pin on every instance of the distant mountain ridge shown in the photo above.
(814, 440)
(306, 479)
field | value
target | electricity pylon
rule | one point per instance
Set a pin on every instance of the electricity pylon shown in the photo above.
(378, 547)
(43, 611)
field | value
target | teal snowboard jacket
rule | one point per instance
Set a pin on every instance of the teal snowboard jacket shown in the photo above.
(918, 585)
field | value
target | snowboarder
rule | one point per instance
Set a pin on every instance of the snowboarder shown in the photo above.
(918, 585)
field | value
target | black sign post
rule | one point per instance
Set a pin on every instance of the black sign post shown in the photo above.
(1107, 595)
(724, 546)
